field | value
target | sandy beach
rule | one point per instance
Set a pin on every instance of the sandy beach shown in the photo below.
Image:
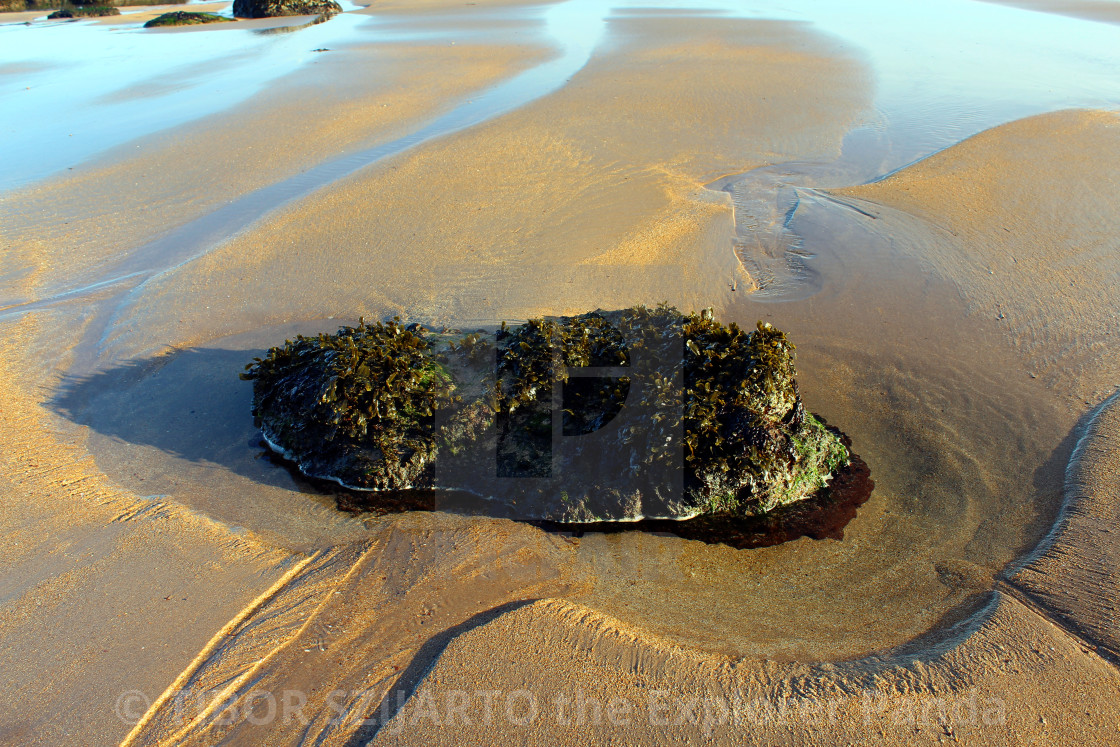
(1096, 10)
(950, 292)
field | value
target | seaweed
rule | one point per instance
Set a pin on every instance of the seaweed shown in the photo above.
(377, 406)
(368, 393)
(184, 18)
(18, 5)
(84, 11)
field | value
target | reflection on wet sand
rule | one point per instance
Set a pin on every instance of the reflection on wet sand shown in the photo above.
(957, 360)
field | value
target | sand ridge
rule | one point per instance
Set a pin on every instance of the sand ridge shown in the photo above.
(483, 225)
(1074, 573)
(1026, 226)
(376, 93)
(554, 211)
(1091, 10)
(595, 676)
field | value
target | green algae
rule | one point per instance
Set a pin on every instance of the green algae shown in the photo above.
(84, 11)
(381, 406)
(362, 400)
(184, 18)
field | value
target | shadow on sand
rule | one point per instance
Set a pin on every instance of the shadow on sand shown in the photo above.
(191, 405)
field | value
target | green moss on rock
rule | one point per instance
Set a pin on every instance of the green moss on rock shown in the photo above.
(184, 18)
(711, 409)
(274, 8)
(84, 11)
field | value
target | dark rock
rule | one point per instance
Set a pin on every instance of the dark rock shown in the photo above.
(84, 11)
(822, 516)
(272, 8)
(184, 18)
(623, 415)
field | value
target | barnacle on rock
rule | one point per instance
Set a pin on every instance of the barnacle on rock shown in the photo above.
(644, 412)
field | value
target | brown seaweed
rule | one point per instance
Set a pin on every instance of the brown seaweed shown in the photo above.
(644, 412)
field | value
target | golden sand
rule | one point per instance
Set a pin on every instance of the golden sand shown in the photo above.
(144, 561)
(1074, 573)
(95, 578)
(589, 198)
(1025, 224)
(96, 571)
(1011, 668)
(67, 227)
(1091, 10)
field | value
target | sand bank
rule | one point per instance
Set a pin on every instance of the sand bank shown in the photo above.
(1074, 574)
(591, 197)
(1092, 10)
(588, 197)
(1022, 218)
(66, 227)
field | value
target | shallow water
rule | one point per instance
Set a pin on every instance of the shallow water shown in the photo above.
(574, 26)
(962, 453)
(965, 452)
(103, 85)
(942, 72)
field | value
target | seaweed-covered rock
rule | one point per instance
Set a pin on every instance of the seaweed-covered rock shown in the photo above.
(622, 415)
(84, 11)
(184, 18)
(271, 8)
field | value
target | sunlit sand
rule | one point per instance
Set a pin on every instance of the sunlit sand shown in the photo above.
(923, 199)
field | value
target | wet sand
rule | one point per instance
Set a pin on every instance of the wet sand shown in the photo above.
(953, 355)
(1074, 571)
(1024, 225)
(1093, 10)
(67, 228)
(88, 562)
(585, 211)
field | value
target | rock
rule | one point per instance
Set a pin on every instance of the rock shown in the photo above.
(84, 11)
(271, 8)
(185, 18)
(605, 416)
